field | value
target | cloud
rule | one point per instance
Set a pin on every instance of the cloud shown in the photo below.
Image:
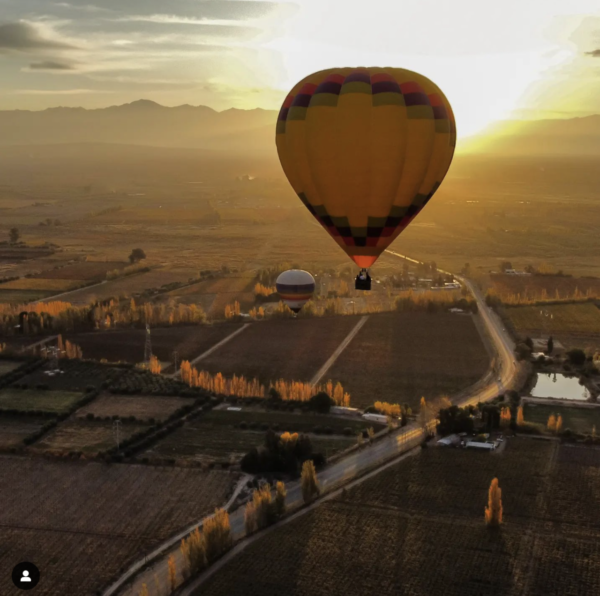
(593, 53)
(25, 37)
(50, 65)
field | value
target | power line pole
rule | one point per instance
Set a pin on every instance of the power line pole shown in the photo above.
(148, 347)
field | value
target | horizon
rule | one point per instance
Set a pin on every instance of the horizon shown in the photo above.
(248, 54)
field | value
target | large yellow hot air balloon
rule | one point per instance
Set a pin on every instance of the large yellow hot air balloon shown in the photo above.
(365, 149)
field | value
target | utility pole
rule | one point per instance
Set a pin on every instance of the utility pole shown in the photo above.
(148, 347)
(117, 432)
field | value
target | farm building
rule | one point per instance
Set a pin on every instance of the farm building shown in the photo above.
(450, 441)
(375, 418)
(487, 445)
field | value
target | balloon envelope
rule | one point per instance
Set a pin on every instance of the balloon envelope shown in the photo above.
(295, 287)
(365, 149)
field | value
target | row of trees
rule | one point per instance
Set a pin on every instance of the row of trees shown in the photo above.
(239, 386)
(529, 296)
(264, 510)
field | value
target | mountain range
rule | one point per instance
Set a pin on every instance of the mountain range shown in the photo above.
(145, 122)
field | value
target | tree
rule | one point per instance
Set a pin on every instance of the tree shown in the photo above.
(250, 521)
(321, 402)
(360, 439)
(144, 590)
(370, 434)
(576, 357)
(551, 423)
(217, 534)
(506, 265)
(14, 235)
(550, 346)
(529, 343)
(425, 415)
(310, 486)
(520, 416)
(505, 416)
(493, 512)
(280, 496)
(559, 423)
(137, 254)
(172, 573)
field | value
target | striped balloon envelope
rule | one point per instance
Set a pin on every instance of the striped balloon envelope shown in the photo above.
(365, 149)
(295, 287)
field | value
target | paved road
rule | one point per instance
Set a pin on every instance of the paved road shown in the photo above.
(359, 461)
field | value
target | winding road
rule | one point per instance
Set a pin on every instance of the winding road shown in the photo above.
(369, 459)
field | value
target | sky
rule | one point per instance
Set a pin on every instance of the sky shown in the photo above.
(524, 59)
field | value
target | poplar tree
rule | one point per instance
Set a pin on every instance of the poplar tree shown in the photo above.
(172, 574)
(493, 512)
(310, 486)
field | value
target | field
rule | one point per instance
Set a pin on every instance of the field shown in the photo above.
(130, 285)
(7, 366)
(402, 356)
(217, 435)
(14, 428)
(22, 296)
(141, 407)
(46, 285)
(215, 294)
(418, 529)
(77, 375)
(82, 522)
(26, 400)
(539, 287)
(575, 325)
(84, 270)
(288, 349)
(88, 437)
(127, 345)
(579, 420)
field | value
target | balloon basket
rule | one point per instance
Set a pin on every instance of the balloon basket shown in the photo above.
(362, 281)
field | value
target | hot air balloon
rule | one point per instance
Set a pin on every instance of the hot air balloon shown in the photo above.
(365, 149)
(295, 287)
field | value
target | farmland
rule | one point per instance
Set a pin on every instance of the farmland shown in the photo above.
(579, 420)
(87, 437)
(418, 528)
(140, 407)
(26, 400)
(402, 356)
(82, 270)
(7, 366)
(127, 345)
(81, 522)
(14, 429)
(46, 285)
(289, 349)
(575, 325)
(543, 287)
(221, 434)
(22, 296)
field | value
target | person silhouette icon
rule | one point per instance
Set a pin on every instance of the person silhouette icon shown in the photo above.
(25, 577)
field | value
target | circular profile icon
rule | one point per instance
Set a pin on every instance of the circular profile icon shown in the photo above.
(26, 576)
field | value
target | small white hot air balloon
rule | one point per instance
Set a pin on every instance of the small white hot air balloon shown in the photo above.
(295, 287)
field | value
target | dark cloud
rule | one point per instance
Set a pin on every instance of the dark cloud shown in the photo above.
(24, 37)
(594, 53)
(50, 65)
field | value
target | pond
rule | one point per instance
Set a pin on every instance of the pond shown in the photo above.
(559, 386)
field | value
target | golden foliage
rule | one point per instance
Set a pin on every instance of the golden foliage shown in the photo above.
(232, 310)
(217, 534)
(559, 423)
(260, 290)
(310, 485)
(239, 386)
(144, 590)
(172, 573)
(280, 497)
(493, 511)
(193, 550)
(505, 416)
(391, 410)
(551, 423)
(250, 518)
(520, 416)
(155, 366)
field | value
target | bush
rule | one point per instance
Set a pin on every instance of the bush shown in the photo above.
(576, 357)
(89, 416)
(321, 402)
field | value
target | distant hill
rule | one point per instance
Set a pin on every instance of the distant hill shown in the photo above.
(143, 122)
(566, 137)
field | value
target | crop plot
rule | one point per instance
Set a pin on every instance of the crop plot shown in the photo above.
(28, 400)
(81, 522)
(222, 435)
(140, 407)
(418, 529)
(84, 270)
(14, 429)
(400, 357)
(127, 345)
(7, 366)
(288, 349)
(46, 285)
(87, 437)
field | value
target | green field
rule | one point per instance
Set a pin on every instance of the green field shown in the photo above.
(217, 435)
(14, 429)
(579, 420)
(22, 296)
(26, 400)
(417, 529)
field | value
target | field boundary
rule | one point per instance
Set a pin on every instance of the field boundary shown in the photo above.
(214, 348)
(338, 351)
